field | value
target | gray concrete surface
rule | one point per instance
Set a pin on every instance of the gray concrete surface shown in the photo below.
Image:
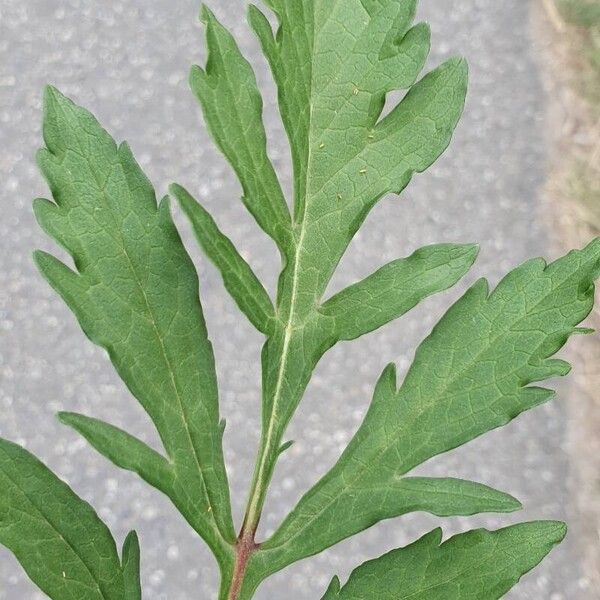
(128, 62)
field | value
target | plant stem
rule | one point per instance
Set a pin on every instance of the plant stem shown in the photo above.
(244, 548)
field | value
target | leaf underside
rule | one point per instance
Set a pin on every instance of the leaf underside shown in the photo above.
(134, 291)
(57, 537)
(333, 64)
(472, 566)
(471, 375)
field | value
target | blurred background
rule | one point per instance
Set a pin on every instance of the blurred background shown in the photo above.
(521, 177)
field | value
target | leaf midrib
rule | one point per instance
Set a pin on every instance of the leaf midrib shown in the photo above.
(271, 437)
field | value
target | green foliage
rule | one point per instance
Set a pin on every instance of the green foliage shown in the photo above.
(131, 567)
(134, 292)
(471, 566)
(239, 279)
(57, 537)
(486, 350)
(333, 66)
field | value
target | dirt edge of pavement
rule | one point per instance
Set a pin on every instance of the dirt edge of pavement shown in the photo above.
(572, 133)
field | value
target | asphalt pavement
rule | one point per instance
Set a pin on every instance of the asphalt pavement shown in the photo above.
(128, 62)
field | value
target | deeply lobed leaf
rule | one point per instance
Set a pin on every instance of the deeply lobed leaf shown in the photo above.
(468, 377)
(470, 566)
(334, 64)
(135, 293)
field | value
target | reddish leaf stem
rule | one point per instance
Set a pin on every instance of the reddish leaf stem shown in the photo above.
(244, 548)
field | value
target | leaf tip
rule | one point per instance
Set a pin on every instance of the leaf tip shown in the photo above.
(473, 248)
(261, 27)
(545, 533)
(456, 74)
(41, 258)
(197, 78)
(481, 288)
(583, 331)
(286, 446)
(164, 206)
(388, 377)
(125, 148)
(511, 504)
(334, 588)
(423, 28)
(53, 100)
(183, 197)
(459, 64)
(561, 367)
(52, 95)
(206, 15)
(131, 542)
(40, 205)
(434, 537)
(557, 530)
(66, 417)
(45, 213)
(177, 190)
(254, 13)
(470, 252)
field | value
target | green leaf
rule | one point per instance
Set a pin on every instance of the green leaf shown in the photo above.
(232, 108)
(135, 293)
(131, 567)
(66, 550)
(470, 375)
(240, 281)
(124, 450)
(334, 63)
(396, 288)
(373, 502)
(470, 566)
